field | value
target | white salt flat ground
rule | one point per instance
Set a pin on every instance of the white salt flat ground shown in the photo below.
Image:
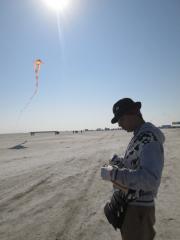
(50, 186)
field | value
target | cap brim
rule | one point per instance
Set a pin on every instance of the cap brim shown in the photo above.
(114, 120)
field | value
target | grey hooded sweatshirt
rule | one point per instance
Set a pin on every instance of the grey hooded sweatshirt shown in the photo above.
(143, 163)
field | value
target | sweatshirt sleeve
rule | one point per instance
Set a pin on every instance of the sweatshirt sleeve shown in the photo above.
(148, 175)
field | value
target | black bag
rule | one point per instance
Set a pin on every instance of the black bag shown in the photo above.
(115, 210)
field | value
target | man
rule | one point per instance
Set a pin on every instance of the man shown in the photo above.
(141, 169)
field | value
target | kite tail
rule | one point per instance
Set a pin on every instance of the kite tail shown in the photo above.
(37, 64)
(37, 77)
(31, 98)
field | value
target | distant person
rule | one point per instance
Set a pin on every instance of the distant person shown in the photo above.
(139, 171)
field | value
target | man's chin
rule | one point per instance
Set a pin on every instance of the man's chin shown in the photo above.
(129, 130)
(126, 129)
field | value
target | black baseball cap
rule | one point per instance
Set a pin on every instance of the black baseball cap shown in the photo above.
(124, 106)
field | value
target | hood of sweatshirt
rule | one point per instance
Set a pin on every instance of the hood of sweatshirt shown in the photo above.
(149, 127)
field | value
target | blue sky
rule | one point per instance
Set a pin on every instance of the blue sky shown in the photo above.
(102, 51)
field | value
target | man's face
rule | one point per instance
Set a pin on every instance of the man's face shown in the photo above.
(127, 122)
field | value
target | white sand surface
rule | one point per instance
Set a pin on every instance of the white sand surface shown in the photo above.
(50, 186)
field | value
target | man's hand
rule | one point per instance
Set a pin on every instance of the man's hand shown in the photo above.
(120, 186)
(116, 160)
